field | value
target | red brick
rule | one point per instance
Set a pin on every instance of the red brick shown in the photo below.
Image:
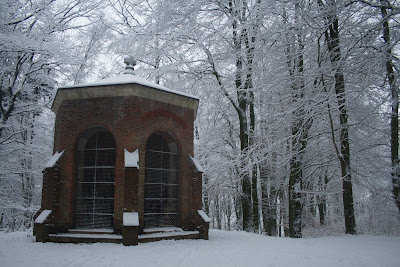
(131, 120)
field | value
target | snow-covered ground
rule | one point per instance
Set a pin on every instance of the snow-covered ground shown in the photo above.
(223, 249)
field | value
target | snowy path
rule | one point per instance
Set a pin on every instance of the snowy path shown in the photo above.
(223, 249)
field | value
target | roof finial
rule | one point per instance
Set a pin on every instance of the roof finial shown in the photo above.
(130, 63)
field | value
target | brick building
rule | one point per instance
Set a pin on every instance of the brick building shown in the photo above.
(122, 165)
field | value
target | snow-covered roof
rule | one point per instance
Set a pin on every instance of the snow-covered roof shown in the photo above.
(131, 158)
(126, 84)
(128, 78)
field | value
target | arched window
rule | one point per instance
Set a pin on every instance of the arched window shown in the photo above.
(94, 191)
(161, 182)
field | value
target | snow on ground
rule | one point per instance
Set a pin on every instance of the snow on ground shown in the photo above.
(223, 249)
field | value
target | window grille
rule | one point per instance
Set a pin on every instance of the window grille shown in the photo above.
(161, 183)
(94, 192)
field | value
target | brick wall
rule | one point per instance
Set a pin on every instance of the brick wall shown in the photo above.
(131, 120)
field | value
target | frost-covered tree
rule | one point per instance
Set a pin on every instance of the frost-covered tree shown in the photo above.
(290, 92)
(35, 45)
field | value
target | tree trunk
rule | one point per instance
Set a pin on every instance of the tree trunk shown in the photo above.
(300, 124)
(246, 204)
(269, 210)
(333, 44)
(241, 109)
(394, 116)
(254, 177)
(295, 205)
(243, 48)
(218, 213)
(322, 200)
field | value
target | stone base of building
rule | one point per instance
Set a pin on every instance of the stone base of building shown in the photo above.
(128, 238)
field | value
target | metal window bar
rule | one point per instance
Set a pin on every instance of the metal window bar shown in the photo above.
(95, 199)
(161, 185)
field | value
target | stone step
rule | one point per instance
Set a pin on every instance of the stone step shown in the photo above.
(151, 237)
(85, 238)
(107, 235)
(162, 230)
(91, 231)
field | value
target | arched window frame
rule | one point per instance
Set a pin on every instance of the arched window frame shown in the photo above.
(161, 196)
(95, 178)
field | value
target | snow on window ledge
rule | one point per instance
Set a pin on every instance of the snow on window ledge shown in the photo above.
(43, 216)
(197, 165)
(132, 158)
(131, 219)
(204, 216)
(56, 157)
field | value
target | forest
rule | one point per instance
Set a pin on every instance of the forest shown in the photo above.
(298, 124)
